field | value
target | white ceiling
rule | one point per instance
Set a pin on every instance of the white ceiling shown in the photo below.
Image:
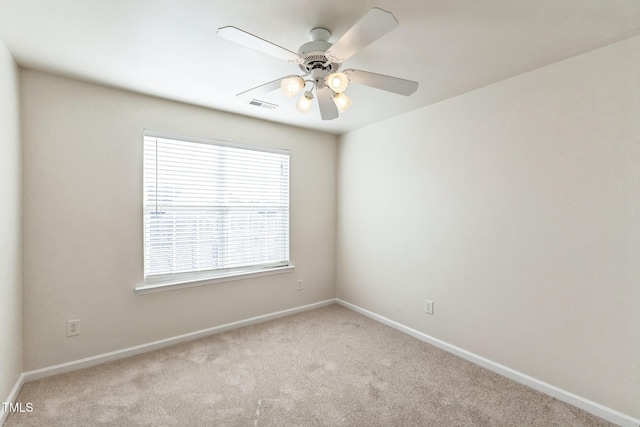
(169, 48)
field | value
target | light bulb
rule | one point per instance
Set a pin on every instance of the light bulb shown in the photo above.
(342, 101)
(304, 103)
(291, 85)
(338, 82)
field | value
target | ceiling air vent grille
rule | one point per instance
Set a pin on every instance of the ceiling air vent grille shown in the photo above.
(263, 104)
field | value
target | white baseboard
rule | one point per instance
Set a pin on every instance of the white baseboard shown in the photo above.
(132, 351)
(563, 395)
(594, 408)
(11, 398)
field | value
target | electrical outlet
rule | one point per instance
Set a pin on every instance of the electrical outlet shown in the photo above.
(73, 327)
(428, 306)
(300, 284)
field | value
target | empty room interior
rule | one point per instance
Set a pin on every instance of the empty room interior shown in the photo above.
(320, 213)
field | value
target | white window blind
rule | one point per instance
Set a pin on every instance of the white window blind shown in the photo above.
(213, 208)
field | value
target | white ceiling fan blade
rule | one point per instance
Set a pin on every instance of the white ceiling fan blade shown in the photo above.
(243, 38)
(375, 24)
(380, 81)
(261, 90)
(328, 109)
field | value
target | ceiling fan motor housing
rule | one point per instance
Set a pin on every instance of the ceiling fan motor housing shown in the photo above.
(313, 53)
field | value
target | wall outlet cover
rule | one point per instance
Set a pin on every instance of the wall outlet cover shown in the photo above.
(73, 327)
(428, 306)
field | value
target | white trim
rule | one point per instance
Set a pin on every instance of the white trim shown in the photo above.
(132, 351)
(195, 281)
(11, 398)
(594, 408)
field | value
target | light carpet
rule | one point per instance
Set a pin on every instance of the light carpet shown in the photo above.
(324, 367)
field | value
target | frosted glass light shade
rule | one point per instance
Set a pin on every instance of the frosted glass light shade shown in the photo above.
(304, 103)
(291, 85)
(338, 82)
(342, 101)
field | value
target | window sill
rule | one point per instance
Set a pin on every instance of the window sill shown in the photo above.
(193, 282)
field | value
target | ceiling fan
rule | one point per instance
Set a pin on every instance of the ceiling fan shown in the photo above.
(321, 60)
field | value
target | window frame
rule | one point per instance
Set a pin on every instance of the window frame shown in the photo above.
(172, 281)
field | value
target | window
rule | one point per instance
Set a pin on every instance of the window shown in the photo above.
(213, 209)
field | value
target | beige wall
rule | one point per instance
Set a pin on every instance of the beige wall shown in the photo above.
(10, 226)
(516, 209)
(83, 242)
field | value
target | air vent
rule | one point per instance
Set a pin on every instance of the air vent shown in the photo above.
(263, 104)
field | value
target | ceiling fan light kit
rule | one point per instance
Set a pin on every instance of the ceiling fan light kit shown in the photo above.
(322, 60)
(343, 102)
(291, 86)
(338, 82)
(304, 103)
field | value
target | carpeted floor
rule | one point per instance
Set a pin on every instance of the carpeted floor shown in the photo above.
(329, 366)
